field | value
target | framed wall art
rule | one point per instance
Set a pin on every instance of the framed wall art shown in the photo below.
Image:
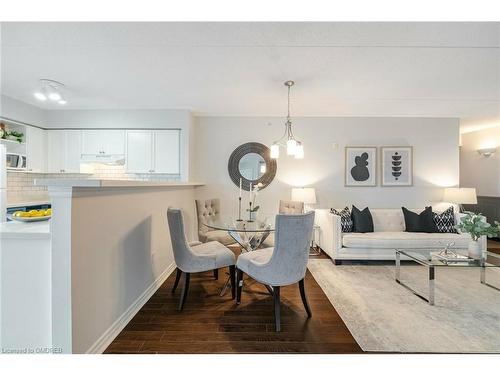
(360, 166)
(397, 166)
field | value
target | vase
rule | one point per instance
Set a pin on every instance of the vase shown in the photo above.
(253, 216)
(475, 250)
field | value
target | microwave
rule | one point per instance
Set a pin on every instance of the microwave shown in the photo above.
(16, 161)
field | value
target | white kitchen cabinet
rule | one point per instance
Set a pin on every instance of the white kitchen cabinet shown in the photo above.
(103, 142)
(64, 151)
(36, 149)
(139, 151)
(153, 151)
(56, 140)
(72, 151)
(166, 151)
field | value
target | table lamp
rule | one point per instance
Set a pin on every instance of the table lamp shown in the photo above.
(460, 196)
(306, 195)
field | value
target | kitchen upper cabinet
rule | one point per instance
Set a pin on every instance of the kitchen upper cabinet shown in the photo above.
(103, 142)
(72, 151)
(64, 151)
(153, 151)
(139, 151)
(36, 149)
(166, 151)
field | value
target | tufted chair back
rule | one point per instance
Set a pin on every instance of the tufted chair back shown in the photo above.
(291, 207)
(206, 209)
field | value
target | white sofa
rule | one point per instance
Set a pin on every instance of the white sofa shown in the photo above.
(389, 234)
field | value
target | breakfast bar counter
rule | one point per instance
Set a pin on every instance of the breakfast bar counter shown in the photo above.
(107, 250)
(18, 230)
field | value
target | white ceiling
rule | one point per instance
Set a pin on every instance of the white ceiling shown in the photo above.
(340, 69)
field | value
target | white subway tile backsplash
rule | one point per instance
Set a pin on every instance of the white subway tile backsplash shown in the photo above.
(22, 184)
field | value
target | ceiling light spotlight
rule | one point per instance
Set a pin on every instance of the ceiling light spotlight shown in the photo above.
(50, 89)
(55, 96)
(40, 96)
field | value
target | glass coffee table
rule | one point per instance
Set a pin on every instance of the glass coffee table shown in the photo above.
(425, 258)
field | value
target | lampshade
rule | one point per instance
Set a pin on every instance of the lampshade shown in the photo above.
(460, 195)
(299, 151)
(275, 151)
(291, 144)
(306, 195)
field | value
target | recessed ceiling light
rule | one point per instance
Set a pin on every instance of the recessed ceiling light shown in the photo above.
(40, 96)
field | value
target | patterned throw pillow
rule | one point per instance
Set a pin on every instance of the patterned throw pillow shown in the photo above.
(345, 219)
(445, 222)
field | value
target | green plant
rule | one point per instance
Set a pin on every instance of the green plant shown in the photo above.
(476, 226)
(255, 192)
(19, 136)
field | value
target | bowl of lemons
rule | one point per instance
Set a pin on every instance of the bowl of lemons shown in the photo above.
(32, 215)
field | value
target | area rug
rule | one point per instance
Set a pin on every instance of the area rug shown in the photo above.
(383, 316)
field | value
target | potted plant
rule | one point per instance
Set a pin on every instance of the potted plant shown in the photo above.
(476, 226)
(15, 136)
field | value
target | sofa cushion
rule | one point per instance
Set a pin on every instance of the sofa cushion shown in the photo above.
(346, 223)
(362, 220)
(445, 221)
(421, 222)
(404, 240)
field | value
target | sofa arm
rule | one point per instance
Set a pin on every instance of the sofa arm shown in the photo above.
(330, 231)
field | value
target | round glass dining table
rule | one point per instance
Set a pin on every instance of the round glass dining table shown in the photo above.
(248, 234)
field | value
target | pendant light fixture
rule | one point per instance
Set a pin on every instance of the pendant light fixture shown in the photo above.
(293, 147)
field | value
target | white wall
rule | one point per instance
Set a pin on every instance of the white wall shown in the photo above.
(435, 144)
(476, 170)
(16, 110)
(120, 248)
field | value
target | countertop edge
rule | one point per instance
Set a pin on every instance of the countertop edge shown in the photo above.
(101, 183)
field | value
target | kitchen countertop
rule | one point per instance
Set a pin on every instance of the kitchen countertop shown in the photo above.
(28, 202)
(18, 230)
(97, 183)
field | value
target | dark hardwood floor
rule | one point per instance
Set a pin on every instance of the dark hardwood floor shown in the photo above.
(213, 324)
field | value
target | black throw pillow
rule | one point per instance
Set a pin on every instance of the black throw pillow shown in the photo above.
(422, 222)
(362, 220)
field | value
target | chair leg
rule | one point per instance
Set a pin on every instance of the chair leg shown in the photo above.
(304, 299)
(239, 281)
(177, 278)
(185, 290)
(232, 276)
(216, 274)
(277, 308)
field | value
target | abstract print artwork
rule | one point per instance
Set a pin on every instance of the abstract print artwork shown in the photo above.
(360, 166)
(397, 166)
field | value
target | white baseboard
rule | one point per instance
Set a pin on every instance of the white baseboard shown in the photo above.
(110, 334)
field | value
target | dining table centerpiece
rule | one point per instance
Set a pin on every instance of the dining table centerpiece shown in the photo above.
(253, 208)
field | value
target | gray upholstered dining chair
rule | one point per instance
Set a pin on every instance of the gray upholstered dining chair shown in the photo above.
(210, 209)
(200, 258)
(282, 265)
(285, 208)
